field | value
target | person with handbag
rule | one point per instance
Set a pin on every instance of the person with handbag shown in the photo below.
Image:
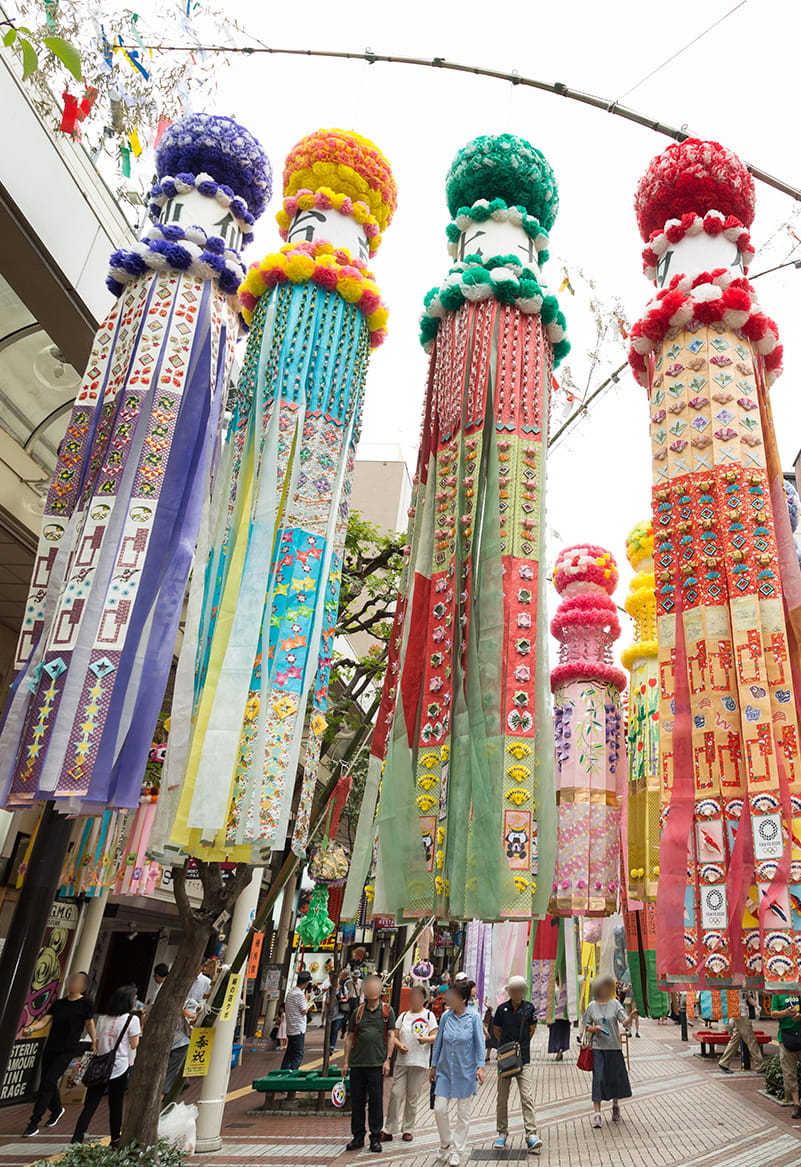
(513, 1027)
(457, 1069)
(786, 1008)
(67, 1017)
(601, 1022)
(117, 1031)
(415, 1033)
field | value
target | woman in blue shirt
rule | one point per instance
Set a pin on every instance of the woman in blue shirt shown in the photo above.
(457, 1065)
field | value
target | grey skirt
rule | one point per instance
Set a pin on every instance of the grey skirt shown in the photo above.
(610, 1078)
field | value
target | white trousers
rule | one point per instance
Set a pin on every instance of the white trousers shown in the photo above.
(454, 1136)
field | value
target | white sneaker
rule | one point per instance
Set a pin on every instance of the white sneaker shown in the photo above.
(455, 1159)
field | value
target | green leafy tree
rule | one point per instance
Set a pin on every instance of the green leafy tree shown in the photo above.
(371, 570)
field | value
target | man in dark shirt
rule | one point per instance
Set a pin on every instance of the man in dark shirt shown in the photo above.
(368, 1049)
(515, 1021)
(67, 1017)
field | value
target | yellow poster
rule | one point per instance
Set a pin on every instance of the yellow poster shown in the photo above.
(198, 1054)
(231, 998)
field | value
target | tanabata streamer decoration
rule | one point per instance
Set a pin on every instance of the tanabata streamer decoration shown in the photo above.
(261, 620)
(727, 587)
(640, 926)
(465, 783)
(643, 803)
(124, 507)
(110, 851)
(590, 763)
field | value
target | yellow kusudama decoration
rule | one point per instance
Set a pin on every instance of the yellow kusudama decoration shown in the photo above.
(347, 163)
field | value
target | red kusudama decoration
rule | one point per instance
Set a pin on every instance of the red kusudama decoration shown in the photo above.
(693, 176)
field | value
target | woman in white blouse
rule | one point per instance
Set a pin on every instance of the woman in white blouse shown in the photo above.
(118, 1022)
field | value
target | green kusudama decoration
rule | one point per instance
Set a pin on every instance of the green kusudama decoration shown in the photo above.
(506, 167)
(316, 925)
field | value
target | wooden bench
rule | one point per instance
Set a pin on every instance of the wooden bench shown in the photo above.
(709, 1038)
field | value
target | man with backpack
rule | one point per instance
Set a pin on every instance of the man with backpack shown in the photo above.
(369, 1044)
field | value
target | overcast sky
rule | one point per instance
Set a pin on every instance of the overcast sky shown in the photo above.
(739, 85)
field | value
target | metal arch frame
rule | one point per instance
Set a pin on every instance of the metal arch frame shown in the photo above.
(606, 105)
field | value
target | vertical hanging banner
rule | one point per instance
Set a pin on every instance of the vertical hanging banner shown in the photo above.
(255, 955)
(19, 1082)
(198, 1053)
(232, 990)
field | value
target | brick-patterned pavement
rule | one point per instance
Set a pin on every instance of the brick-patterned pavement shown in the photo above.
(684, 1113)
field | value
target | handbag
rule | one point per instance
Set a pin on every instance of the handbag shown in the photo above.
(101, 1066)
(586, 1058)
(510, 1055)
(791, 1040)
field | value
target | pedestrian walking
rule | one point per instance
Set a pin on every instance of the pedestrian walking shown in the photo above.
(742, 1031)
(296, 1009)
(415, 1033)
(67, 1018)
(368, 1049)
(118, 1029)
(180, 1043)
(602, 1021)
(513, 1026)
(457, 1069)
(160, 974)
(786, 1008)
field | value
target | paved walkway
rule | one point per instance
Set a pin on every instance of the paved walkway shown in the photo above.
(684, 1113)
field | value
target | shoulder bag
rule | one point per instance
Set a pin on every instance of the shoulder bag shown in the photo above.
(510, 1055)
(101, 1066)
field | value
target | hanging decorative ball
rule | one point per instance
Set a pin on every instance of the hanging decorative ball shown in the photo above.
(503, 166)
(693, 177)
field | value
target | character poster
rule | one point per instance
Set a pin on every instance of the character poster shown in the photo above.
(20, 1080)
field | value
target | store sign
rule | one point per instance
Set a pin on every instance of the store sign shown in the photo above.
(198, 1053)
(384, 923)
(271, 981)
(256, 946)
(19, 1082)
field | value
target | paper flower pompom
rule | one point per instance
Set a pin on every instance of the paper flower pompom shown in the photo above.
(640, 542)
(347, 164)
(203, 143)
(503, 166)
(585, 564)
(693, 176)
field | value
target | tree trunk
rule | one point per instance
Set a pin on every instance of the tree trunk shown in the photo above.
(143, 1104)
